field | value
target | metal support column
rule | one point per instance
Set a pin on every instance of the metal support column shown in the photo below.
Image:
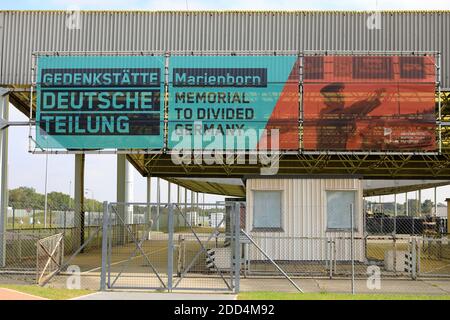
(79, 200)
(196, 199)
(4, 115)
(414, 258)
(192, 204)
(406, 205)
(394, 233)
(122, 194)
(232, 240)
(129, 189)
(158, 202)
(169, 196)
(352, 245)
(395, 214)
(419, 209)
(148, 212)
(435, 201)
(105, 233)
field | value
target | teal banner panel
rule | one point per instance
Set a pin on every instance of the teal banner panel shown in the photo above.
(96, 102)
(226, 102)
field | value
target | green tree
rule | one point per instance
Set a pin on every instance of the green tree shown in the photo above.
(427, 206)
(58, 201)
(93, 205)
(28, 198)
(25, 197)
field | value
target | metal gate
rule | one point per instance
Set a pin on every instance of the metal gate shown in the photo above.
(172, 246)
(49, 257)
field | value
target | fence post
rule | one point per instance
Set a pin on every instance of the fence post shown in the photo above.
(395, 214)
(111, 236)
(64, 223)
(231, 240)
(352, 249)
(170, 248)
(330, 254)
(414, 258)
(237, 246)
(104, 245)
(333, 259)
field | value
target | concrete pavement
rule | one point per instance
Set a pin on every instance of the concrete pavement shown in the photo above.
(387, 286)
(127, 295)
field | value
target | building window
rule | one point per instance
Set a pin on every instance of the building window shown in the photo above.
(267, 210)
(338, 210)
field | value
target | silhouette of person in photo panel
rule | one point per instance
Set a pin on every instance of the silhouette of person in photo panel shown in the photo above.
(337, 123)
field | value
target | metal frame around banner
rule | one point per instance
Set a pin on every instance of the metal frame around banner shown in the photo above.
(167, 54)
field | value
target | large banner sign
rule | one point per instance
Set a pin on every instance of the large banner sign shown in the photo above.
(233, 102)
(369, 103)
(237, 102)
(88, 102)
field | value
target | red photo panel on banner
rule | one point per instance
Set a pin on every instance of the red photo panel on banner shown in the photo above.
(369, 103)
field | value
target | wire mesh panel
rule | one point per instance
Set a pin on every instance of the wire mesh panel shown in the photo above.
(28, 221)
(20, 260)
(137, 246)
(434, 257)
(49, 256)
(169, 247)
(297, 256)
(346, 253)
(32, 257)
(20, 250)
(392, 254)
(187, 246)
(203, 241)
(403, 225)
(295, 240)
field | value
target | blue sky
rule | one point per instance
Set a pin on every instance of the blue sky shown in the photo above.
(29, 170)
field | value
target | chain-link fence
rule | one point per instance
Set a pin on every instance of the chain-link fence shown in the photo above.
(434, 257)
(193, 246)
(307, 241)
(27, 232)
(406, 225)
